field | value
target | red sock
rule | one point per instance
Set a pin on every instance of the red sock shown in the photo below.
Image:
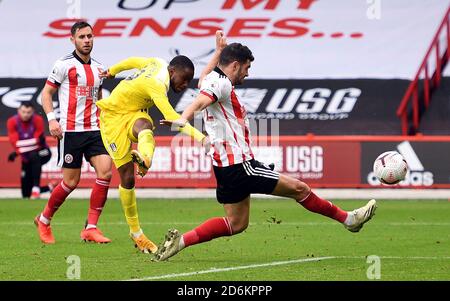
(212, 228)
(98, 199)
(315, 204)
(58, 196)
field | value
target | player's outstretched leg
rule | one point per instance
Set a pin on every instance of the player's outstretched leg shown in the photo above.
(171, 245)
(301, 192)
(175, 242)
(353, 220)
(215, 227)
(143, 156)
(361, 216)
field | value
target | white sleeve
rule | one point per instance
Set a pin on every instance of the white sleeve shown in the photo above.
(57, 75)
(216, 88)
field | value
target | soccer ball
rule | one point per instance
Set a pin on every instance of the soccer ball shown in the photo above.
(390, 168)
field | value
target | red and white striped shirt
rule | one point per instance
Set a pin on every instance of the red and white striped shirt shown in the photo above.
(79, 86)
(226, 121)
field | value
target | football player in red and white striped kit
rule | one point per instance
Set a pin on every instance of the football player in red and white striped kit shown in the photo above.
(237, 173)
(76, 79)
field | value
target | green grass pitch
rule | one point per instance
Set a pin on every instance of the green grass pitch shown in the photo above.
(283, 242)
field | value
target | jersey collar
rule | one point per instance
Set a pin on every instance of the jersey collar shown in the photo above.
(79, 58)
(217, 69)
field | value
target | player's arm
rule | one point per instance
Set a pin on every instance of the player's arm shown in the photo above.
(39, 124)
(54, 80)
(39, 131)
(100, 93)
(211, 91)
(12, 133)
(221, 43)
(201, 101)
(126, 64)
(13, 136)
(161, 101)
(47, 104)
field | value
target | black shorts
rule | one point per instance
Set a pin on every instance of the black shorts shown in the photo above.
(76, 144)
(238, 181)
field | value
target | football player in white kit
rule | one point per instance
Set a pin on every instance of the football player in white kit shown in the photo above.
(237, 173)
(76, 79)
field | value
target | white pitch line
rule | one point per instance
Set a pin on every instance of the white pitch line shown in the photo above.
(397, 257)
(340, 193)
(214, 270)
(276, 263)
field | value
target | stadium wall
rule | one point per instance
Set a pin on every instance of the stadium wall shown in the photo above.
(322, 107)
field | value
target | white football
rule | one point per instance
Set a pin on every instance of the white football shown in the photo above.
(390, 168)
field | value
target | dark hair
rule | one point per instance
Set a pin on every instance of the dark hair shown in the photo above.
(235, 52)
(79, 25)
(26, 104)
(181, 61)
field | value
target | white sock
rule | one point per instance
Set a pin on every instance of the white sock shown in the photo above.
(90, 226)
(350, 220)
(44, 220)
(181, 243)
(137, 234)
(36, 189)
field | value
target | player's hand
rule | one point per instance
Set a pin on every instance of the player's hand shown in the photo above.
(206, 143)
(55, 129)
(221, 40)
(179, 123)
(105, 74)
(12, 156)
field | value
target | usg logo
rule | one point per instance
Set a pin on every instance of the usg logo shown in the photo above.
(304, 161)
(289, 104)
(416, 176)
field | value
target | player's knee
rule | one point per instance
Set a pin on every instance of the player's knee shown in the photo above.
(105, 174)
(238, 224)
(140, 125)
(301, 189)
(72, 182)
(127, 180)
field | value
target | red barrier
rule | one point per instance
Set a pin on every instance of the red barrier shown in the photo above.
(321, 161)
(412, 93)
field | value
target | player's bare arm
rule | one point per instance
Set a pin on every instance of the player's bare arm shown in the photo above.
(126, 64)
(47, 104)
(100, 94)
(221, 43)
(201, 102)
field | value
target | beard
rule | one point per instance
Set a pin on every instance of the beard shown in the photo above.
(85, 51)
(239, 82)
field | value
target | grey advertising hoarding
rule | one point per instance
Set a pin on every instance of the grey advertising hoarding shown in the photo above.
(322, 107)
(428, 162)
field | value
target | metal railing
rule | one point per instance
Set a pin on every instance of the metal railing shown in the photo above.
(411, 97)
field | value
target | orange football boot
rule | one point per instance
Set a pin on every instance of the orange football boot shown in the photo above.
(45, 231)
(94, 235)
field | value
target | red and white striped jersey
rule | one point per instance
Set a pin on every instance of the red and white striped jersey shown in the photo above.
(78, 86)
(226, 121)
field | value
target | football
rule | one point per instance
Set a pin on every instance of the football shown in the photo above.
(390, 167)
